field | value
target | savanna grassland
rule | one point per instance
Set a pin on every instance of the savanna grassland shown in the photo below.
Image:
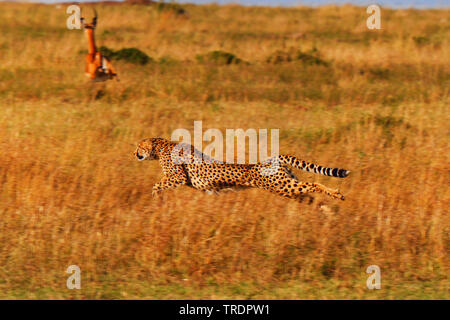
(375, 102)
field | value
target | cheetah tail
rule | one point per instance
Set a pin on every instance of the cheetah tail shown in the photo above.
(311, 167)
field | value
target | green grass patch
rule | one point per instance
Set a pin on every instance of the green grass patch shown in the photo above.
(219, 58)
(308, 58)
(131, 55)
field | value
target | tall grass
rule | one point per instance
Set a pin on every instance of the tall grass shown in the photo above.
(72, 193)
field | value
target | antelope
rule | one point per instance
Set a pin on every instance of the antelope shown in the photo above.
(98, 67)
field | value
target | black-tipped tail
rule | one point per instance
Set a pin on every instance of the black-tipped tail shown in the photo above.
(340, 173)
(311, 167)
(334, 172)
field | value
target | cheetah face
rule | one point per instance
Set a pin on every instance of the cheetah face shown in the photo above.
(142, 154)
(145, 151)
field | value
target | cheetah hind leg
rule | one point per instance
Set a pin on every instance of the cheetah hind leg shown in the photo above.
(211, 191)
(316, 187)
(295, 189)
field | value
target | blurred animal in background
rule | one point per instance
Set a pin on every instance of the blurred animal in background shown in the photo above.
(98, 67)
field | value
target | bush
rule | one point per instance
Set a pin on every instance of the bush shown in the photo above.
(379, 73)
(218, 57)
(310, 58)
(107, 52)
(174, 7)
(421, 41)
(131, 55)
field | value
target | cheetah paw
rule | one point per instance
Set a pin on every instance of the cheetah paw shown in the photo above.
(338, 195)
(155, 193)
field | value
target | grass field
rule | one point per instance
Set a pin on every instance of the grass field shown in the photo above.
(375, 102)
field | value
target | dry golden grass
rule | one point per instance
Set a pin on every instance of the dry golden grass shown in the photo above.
(72, 193)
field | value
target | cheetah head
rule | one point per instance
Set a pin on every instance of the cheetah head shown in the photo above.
(145, 150)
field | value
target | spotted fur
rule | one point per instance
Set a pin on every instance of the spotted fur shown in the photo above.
(183, 165)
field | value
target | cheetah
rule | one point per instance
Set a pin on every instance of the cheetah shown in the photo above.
(182, 164)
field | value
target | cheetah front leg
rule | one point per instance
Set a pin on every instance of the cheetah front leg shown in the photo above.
(167, 183)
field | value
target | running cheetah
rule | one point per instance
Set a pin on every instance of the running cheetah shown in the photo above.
(182, 164)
